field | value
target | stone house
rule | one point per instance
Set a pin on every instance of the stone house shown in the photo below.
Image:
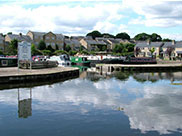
(2, 43)
(73, 43)
(142, 49)
(172, 50)
(92, 45)
(20, 38)
(49, 39)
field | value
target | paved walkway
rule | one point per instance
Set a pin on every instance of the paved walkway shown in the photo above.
(13, 71)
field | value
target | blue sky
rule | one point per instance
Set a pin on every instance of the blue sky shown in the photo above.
(78, 17)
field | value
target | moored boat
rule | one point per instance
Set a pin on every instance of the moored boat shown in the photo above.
(8, 61)
(63, 60)
(82, 61)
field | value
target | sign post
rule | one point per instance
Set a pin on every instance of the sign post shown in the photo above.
(24, 53)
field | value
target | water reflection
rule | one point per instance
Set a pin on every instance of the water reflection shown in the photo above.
(148, 100)
(25, 106)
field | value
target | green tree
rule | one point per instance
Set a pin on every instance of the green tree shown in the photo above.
(155, 37)
(12, 48)
(124, 36)
(152, 50)
(59, 52)
(67, 48)
(72, 52)
(130, 47)
(35, 51)
(57, 48)
(41, 45)
(118, 48)
(142, 37)
(1, 52)
(46, 52)
(49, 47)
(94, 34)
(14, 43)
(167, 40)
(107, 35)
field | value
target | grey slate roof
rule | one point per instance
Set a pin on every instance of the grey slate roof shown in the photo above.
(152, 44)
(176, 45)
(115, 41)
(20, 37)
(59, 36)
(38, 33)
(1, 38)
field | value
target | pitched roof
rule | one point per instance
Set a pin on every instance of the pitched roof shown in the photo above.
(170, 44)
(20, 37)
(152, 44)
(59, 36)
(1, 38)
(38, 33)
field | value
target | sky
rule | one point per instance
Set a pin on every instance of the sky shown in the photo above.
(79, 17)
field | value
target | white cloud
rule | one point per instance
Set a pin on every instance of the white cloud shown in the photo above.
(177, 37)
(157, 13)
(60, 18)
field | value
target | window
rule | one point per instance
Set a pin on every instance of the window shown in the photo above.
(53, 38)
(47, 38)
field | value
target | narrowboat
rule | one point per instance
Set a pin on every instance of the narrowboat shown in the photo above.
(63, 60)
(82, 61)
(8, 62)
(140, 60)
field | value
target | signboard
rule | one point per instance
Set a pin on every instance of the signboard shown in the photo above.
(24, 55)
(24, 51)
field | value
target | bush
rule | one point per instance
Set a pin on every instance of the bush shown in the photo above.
(59, 52)
(46, 52)
(41, 45)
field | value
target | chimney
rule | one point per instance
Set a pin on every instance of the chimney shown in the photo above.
(173, 42)
(148, 42)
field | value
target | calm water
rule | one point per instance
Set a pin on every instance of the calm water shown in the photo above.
(96, 104)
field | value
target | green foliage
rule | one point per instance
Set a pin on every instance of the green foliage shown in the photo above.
(12, 48)
(152, 50)
(67, 48)
(57, 48)
(124, 36)
(124, 49)
(14, 43)
(107, 35)
(59, 52)
(41, 45)
(46, 52)
(1, 52)
(92, 52)
(94, 34)
(84, 52)
(35, 51)
(49, 47)
(118, 48)
(155, 37)
(142, 37)
(167, 40)
(72, 52)
(81, 48)
(9, 33)
(101, 48)
(130, 47)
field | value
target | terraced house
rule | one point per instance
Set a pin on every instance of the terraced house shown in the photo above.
(92, 45)
(2, 43)
(172, 50)
(49, 39)
(143, 49)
